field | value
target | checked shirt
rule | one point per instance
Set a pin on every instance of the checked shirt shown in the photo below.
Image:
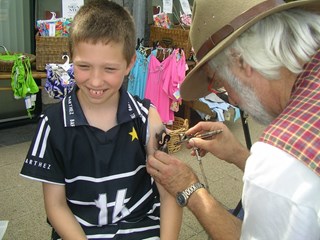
(297, 129)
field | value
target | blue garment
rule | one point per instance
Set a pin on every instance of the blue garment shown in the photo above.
(138, 75)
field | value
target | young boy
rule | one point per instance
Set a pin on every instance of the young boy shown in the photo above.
(90, 150)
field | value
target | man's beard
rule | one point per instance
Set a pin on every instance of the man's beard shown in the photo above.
(250, 103)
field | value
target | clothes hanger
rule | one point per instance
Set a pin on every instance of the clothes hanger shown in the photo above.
(139, 43)
(66, 65)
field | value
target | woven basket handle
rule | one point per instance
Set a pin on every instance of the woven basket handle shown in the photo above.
(167, 41)
(5, 49)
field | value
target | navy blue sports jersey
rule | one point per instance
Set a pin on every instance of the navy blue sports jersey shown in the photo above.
(104, 173)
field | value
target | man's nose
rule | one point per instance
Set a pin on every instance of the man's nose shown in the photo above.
(232, 101)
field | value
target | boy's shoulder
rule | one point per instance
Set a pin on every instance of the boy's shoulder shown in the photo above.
(53, 112)
(133, 104)
(144, 102)
(52, 109)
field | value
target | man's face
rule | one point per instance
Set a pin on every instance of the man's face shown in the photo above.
(244, 96)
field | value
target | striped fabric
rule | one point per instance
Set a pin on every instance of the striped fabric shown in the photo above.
(104, 173)
(296, 129)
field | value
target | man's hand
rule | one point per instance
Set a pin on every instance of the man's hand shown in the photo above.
(173, 174)
(223, 145)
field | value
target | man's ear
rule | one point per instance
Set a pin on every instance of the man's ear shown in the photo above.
(247, 69)
(244, 66)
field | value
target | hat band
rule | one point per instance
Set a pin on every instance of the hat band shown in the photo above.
(235, 24)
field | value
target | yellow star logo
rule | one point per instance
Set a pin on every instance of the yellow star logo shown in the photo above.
(133, 134)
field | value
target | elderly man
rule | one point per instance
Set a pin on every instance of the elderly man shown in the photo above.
(266, 54)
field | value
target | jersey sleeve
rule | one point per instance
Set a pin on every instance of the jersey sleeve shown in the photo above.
(42, 160)
(142, 122)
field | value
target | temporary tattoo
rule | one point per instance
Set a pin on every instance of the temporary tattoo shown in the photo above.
(163, 139)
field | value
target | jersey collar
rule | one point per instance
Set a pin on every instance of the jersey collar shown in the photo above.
(73, 115)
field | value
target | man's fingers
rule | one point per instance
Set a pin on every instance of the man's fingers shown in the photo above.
(154, 171)
(156, 163)
(162, 157)
(199, 143)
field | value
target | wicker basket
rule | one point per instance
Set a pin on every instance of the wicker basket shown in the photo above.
(173, 37)
(6, 66)
(179, 126)
(50, 50)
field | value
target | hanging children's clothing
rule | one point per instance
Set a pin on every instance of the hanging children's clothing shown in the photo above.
(163, 81)
(138, 75)
(174, 81)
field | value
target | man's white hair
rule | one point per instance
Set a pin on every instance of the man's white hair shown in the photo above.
(285, 39)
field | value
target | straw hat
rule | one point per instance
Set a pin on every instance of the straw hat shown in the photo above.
(217, 23)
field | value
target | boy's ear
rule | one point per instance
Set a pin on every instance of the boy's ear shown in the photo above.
(131, 63)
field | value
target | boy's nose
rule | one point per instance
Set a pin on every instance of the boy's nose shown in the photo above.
(96, 77)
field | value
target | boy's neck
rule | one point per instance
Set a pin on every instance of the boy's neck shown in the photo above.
(102, 116)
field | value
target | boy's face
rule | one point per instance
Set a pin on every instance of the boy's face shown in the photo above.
(99, 71)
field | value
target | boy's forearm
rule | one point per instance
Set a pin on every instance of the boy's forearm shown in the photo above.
(59, 214)
(217, 221)
(65, 224)
(170, 219)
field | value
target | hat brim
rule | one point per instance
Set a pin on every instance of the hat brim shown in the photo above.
(195, 85)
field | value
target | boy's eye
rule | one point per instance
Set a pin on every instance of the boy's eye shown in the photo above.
(109, 69)
(83, 67)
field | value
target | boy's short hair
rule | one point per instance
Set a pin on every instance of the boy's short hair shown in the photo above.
(104, 21)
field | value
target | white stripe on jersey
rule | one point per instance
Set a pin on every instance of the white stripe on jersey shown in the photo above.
(144, 109)
(141, 200)
(156, 205)
(153, 217)
(83, 222)
(109, 204)
(104, 179)
(124, 231)
(44, 142)
(41, 180)
(99, 237)
(139, 108)
(40, 133)
(64, 111)
(134, 103)
(141, 229)
(152, 238)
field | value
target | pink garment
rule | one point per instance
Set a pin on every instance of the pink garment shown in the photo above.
(164, 78)
(175, 78)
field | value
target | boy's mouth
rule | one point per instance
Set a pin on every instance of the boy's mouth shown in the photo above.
(96, 92)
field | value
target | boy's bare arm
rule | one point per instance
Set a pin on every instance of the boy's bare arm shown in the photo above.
(171, 213)
(59, 214)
